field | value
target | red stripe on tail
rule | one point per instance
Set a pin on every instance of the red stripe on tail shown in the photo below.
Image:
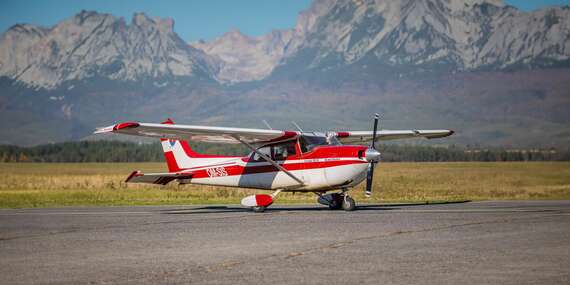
(177, 160)
(168, 155)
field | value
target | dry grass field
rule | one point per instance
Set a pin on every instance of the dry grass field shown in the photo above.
(85, 184)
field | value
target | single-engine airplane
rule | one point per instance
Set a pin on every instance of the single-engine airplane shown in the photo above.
(291, 161)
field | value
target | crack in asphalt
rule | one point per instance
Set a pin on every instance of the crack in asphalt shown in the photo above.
(40, 235)
(230, 264)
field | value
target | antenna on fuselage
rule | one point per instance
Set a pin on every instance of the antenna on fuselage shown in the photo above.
(297, 126)
(267, 124)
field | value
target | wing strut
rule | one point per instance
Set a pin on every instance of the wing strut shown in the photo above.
(268, 159)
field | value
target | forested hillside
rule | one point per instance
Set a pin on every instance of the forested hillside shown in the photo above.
(116, 151)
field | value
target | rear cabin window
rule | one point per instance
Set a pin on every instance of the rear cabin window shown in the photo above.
(265, 150)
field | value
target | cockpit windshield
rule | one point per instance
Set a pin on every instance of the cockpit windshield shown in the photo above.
(284, 150)
(308, 142)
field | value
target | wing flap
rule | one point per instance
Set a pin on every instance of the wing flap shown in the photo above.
(156, 178)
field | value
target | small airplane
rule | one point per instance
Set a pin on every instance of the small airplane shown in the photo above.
(290, 161)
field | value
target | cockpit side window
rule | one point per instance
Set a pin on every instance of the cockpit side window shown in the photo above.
(277, 151)
(307, 143)
(282, 151)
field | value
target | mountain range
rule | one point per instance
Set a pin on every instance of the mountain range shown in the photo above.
(495, 74)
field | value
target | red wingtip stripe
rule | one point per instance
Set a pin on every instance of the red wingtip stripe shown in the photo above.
(168, 121)
(342, 134)
(125, 125)
(133, 174)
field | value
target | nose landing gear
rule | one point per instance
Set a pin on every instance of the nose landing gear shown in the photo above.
(348, 203)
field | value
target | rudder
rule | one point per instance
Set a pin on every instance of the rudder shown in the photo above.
(179, 155)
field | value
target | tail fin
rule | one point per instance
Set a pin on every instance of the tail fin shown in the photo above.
(167, 146)
(179, 155)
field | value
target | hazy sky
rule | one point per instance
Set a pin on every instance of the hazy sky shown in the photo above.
(194, 19)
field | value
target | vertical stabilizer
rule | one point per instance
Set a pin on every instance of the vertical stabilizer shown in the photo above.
(179, 155)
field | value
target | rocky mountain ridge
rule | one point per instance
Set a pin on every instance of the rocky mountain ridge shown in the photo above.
(456, 35)
(91, 44)
(246, 58)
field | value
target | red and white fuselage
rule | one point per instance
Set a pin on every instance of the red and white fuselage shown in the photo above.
(323, 168)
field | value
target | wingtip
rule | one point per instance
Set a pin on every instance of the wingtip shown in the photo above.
(133, 174)
(103, 130)
(168, 121)
(116, 127)
(125, 125)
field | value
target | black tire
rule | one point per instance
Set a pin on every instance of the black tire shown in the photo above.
(336, 202)
(348, 204)
(258, 209)
(335, 205)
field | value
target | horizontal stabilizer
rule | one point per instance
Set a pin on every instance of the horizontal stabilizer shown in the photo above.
(156, 178)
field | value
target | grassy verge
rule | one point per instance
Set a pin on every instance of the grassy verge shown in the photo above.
(87, 184)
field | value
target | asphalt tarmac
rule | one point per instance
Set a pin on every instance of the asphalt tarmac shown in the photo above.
(464, 243)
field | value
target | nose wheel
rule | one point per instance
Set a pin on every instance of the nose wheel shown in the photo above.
(348, 203)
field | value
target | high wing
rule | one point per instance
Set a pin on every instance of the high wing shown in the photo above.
(199, 133)
(366, 136)
(156, 178)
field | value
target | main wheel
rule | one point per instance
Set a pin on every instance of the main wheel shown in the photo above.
(348, 204)
(258, 209)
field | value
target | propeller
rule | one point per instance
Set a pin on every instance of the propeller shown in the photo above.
(373, 156)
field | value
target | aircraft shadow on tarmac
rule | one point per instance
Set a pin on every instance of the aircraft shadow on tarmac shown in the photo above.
(234, 209)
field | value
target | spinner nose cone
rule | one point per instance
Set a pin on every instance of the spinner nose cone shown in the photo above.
(372, 155)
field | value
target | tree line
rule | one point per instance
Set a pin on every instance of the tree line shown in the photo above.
(117, 151)
(418, 153)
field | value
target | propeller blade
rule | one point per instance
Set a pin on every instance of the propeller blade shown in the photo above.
(369, 176)
(376, 117)
(370, 172)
